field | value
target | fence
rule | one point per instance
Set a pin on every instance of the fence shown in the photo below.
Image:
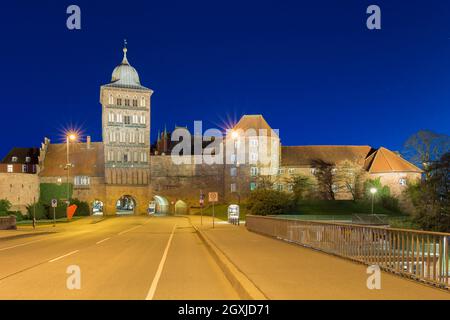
(420, 255)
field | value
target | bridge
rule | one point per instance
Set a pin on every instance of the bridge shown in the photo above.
(138, 257)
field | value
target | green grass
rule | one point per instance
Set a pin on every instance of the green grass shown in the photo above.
(339, 207)
(46, 221)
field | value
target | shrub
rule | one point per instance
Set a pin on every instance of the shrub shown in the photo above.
(82, 207)
(268, 202)
(5, 205)
(39, 209)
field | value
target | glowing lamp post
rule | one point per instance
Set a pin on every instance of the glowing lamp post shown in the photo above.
(70, 136)
(373, 191)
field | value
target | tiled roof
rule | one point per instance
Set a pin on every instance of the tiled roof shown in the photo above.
(21, 154)
(255, 122)
(304, 155)
(384, 160)
(89, 162)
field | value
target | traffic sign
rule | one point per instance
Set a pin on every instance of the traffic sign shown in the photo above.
(213, 196)
(54, 203)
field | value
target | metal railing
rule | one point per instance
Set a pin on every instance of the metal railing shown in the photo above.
(420, 255)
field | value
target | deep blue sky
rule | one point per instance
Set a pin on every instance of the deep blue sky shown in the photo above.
(312, 68)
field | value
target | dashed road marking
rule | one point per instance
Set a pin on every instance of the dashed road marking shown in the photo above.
(63, 256)
(98, 242)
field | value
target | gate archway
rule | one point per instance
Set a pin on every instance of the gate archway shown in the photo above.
(181, 207)
(125, 205)
(162, 205)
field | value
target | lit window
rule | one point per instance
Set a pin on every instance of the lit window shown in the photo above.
(142, 102)
(280, 171)
(313, 171)
(291, 170)
(111, 99)
(233, 187)
(254, 171)
(290, 187)
(81, 180)
(253, 157)
(252, 186)
(10, 168)
(27, 159)
(402, 181)
(24, 168)
(14, 159)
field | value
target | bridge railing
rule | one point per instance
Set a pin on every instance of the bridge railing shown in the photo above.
(420, 255)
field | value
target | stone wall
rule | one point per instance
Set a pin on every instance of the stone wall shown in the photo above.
(20, 189)
(184, 181)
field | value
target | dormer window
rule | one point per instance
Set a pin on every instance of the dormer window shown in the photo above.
(14, 159)
(27, 159)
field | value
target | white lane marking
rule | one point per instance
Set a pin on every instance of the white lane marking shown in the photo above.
(152, 290)
(128, 230)
(22, 244)
(70, 253)
(98, 242)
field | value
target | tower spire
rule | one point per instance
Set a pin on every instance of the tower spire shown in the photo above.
(125, 60)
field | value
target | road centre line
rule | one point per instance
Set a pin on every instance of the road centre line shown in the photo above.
(152, 290)
(128, 230)
(63, 256)
(22, 244)
(98, 242)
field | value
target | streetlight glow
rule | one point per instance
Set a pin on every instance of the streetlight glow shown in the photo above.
(234, 135)
(373, 190)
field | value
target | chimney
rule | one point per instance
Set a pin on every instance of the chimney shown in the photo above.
(88, 142)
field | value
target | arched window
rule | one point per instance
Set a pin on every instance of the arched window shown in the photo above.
(142, 101)
(111, 99)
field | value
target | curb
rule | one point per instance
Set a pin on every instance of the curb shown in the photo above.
(244, 287)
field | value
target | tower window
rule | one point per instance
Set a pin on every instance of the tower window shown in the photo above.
(126, 119)
(127, 102)
(111, 99)
(142, 102)
(134, 103)
(119, 101)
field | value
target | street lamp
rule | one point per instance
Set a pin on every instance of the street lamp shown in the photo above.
(70, 136)
(235, 137)
(373, 191)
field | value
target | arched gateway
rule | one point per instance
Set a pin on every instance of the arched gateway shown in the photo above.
(125, 205)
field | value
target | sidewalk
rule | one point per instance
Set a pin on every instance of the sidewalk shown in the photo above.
(287, 271)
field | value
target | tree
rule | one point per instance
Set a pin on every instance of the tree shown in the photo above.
(325, 174)
(351, 176)
(264, 182)
(5, 205)
(426, 146)
(431, 196)
(301, 186)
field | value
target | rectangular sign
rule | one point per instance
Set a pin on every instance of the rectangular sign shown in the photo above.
(54, 203)
(213, 196)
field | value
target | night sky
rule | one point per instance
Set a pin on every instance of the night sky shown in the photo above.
(312, 68)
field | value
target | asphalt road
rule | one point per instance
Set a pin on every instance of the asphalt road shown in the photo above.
(118, 258)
